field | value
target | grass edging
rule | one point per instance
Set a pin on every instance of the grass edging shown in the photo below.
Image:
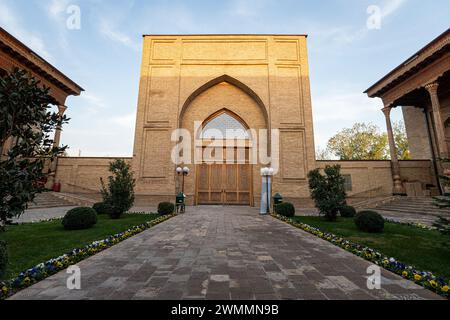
(427, 280)
(53, 266)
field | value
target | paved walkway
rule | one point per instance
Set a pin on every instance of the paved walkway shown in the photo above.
(224, 253)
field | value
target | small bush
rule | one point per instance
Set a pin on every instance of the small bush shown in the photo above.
(3, 257)
(369, 221)
(328, 191)
(285, 209)
(166, 208)
(115, 213)
(79, 219)
(102, 208)
(347, 212)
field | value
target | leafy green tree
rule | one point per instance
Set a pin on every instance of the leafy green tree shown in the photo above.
(25, 118)
(366, 142)
(401, 141)
(119, 193)
(328, 191)
(361, 142)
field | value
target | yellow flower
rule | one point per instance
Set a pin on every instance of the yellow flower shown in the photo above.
(27, 281)
(4, 290)
(433, 283)
(417, 277)
(405, 274)
(445, 289)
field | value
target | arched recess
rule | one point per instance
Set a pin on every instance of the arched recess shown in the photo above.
(232, 81)
(240, 123)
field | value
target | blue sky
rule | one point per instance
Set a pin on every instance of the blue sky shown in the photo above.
(104, 55)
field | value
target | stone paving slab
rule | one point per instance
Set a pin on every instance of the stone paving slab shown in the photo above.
(224, 253)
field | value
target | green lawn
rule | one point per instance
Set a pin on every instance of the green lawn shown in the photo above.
(422, 248)
(31, 244)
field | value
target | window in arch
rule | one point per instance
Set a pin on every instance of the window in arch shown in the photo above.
(225, 126)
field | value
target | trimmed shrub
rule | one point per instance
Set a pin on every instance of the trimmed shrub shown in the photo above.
(328, 191)
(285, 209)
(102, 208)
(3, 257)
(118, 192)
(347, 212)
(79, 219)
(369, 221)
(166, 208)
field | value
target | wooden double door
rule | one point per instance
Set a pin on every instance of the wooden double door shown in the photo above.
(224, 184)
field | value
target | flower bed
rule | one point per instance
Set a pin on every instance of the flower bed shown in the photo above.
(412, 224)
(424, 279)
(53, 266)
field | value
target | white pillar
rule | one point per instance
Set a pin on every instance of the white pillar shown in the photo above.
(264, 193)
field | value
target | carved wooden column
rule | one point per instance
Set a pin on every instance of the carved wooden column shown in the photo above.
(398, 186)
(56, 143)
(432, 89)
(57, 139)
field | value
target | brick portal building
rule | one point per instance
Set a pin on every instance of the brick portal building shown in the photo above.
(258, 82)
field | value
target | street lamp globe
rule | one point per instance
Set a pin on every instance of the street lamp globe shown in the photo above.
(186, 170)
(179, 170)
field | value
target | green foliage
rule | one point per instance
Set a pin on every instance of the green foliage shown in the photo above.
(166, 208)
(347, 212)
(79, 219)
(285, 209)
(27, 119)
(328, 191)
(401, 140)
(443, 225)
(102, 208)
(32, 243)
(366, 142)
(3, 257)
(119, 193)
(369, 221)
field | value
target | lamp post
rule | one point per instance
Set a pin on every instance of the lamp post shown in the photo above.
(184, 172)
(181, 205)
(266, 190)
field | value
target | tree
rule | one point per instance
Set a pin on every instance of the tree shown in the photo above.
(361, 142)
(25, 118)
(366, 142)
(401, 140)
(322, 154)
(119, 193)
(328, 191)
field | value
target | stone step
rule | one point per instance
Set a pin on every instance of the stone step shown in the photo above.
(410, 212)
(413, 206)
(49, 200)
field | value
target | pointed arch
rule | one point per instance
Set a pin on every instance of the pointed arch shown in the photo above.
(232, 81)
(240, 123)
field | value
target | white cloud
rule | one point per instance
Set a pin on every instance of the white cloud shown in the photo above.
(126, 121)
(338, 110)
(94, 103)
(11, 22)
(391, 6)
(57, 7)
(107, 29)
